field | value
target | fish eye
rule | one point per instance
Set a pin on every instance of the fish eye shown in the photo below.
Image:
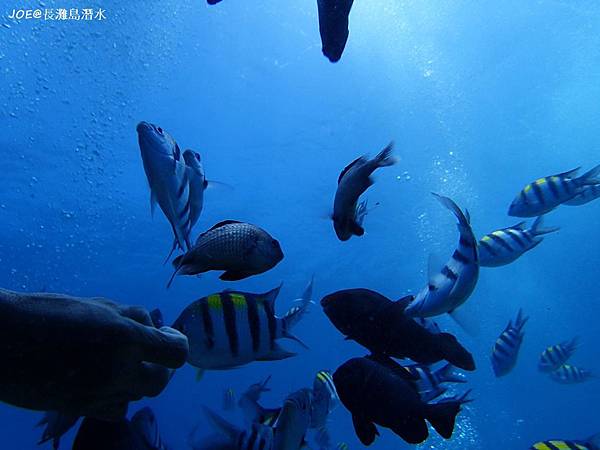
(197, 156)
(160, 131)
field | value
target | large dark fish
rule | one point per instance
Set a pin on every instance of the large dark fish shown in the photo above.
(506, 348)
(378, 391)
(333, 26)
(240, 249)
(141, 433)
(352, 182)
(381, 325)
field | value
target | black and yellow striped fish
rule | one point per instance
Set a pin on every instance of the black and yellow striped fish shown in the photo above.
(545, 194)
(230, 329)
(507, 346)
(568, 374)
(556, 355)
(591, 443)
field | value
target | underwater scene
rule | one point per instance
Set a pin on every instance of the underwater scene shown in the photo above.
(312, 224)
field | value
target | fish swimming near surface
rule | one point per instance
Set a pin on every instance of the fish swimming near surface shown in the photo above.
(167, 176)
(588, 194)
(333, 26)
(429, 381)
(141, 433)
(545, 194)
(240, 249)
(450, 288)
(504, 246)
(355, 179)
(555, 356)
(506, 348)
(381, 326)
(591, 443)
(568, 374)
(293, 421)
(378, 391)
(56, 425)
(232, 328)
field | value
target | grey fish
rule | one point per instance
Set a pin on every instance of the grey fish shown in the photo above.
(293, 421)
(355, 179)
(504, 246)
(240, 249)
(56, 425)
(333, 26)
(588, 194)
(451, 287)
(167, 176)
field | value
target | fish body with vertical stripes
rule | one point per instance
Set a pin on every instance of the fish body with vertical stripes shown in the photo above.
(506, 245)
(353, 181)
(591, 443)
(450, 288)
(167, 176)
(429, 381)
(324, 400)
(556, 355)
(588, 194)
(240, 249)
(231, 329)
(545, 194)
(507, 346)
(293, 421)
(568, 374)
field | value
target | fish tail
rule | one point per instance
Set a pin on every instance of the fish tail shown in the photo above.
(177, 263)
(452, 206)
(442, 415)
(173, 247)
(590, 177)
(521, 320)
(384, 158)
(296, 312)
(537, 228)
(447, 375)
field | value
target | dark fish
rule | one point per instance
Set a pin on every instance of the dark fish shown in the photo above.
(141, 433)
(506, 348)
(555, 356)
(504, 246)
(168, 179)
(333, 26)
(240, 249)
(381, 325)
(545, 194)
(591, 443)
(378, 391)
(232, 328)
(588, 194)
(56, 425)
(568, 374)
(355, 179)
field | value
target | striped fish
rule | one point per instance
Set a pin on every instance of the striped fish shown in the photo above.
(429, 381)
(567, 374)
(545, 194)
(168, 179)
(252, 410)
(506, 245)
(559, 444)
(506, 348)
(556, 355)
(325, 399)
(231, 329)
(341, 446)
(588, 194)
(451, 287)
(293, 421)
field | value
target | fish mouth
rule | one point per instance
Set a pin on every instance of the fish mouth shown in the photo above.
(143, 127)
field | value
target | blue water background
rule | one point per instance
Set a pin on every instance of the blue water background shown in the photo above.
(480, 97)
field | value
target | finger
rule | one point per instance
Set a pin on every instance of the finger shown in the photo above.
(165, 346)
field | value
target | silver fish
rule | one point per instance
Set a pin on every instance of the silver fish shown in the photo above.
(451, 287)
(355, 179)
(168, 179)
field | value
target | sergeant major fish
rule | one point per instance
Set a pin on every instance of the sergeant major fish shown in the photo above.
(352, 182)
(568, 374)
(506, 245)
(506, 348)
(588, 194)
(240, 249)
(451, 287)
(556, 355)
(591, 443)
(232, 328)
(324, 400)
(293, 421)
(545, 194)
(429, 381)
(333, 26)
(168, 179)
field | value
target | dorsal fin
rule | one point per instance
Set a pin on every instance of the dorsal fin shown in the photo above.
(220, 224)
(569, 173)
(518, 226)
(403, 302)
(392, 365)
(271, 296)
(349, 166)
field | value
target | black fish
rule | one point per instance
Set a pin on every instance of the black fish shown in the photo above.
(380, 325)
(378, 391)
(333, 26)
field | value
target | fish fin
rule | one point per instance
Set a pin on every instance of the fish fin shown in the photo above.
(153, 202)
(521, 320)
(231, 275)
(366, 431)
(467, 215)
(288, 335)
(385, 158)
(569, 173)
(447, 375)
(362, 159)
(227, 428)
(173, 247)
(452, 206)
(157, 317)
(403, 302)
(220, 224)
(271, 296)
(590, 177)
(393, 366)
(211, 184)
(199, 374)
(537, 229)
(177, 263)
(412, 429)
(427, 396)
(295, 313)
(519, 226)
(276, 354)
(356, 228)
(453, 352)
(442, 417)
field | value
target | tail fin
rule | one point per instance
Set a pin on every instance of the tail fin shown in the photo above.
(177, 263)
(442, 415)
(384, 158)
(173, 248)
(449, 203)
(571, 346)
(447, 375)
(427, 396)
(520, 321)
(295, 313)
(590, 177)
(538, 230)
